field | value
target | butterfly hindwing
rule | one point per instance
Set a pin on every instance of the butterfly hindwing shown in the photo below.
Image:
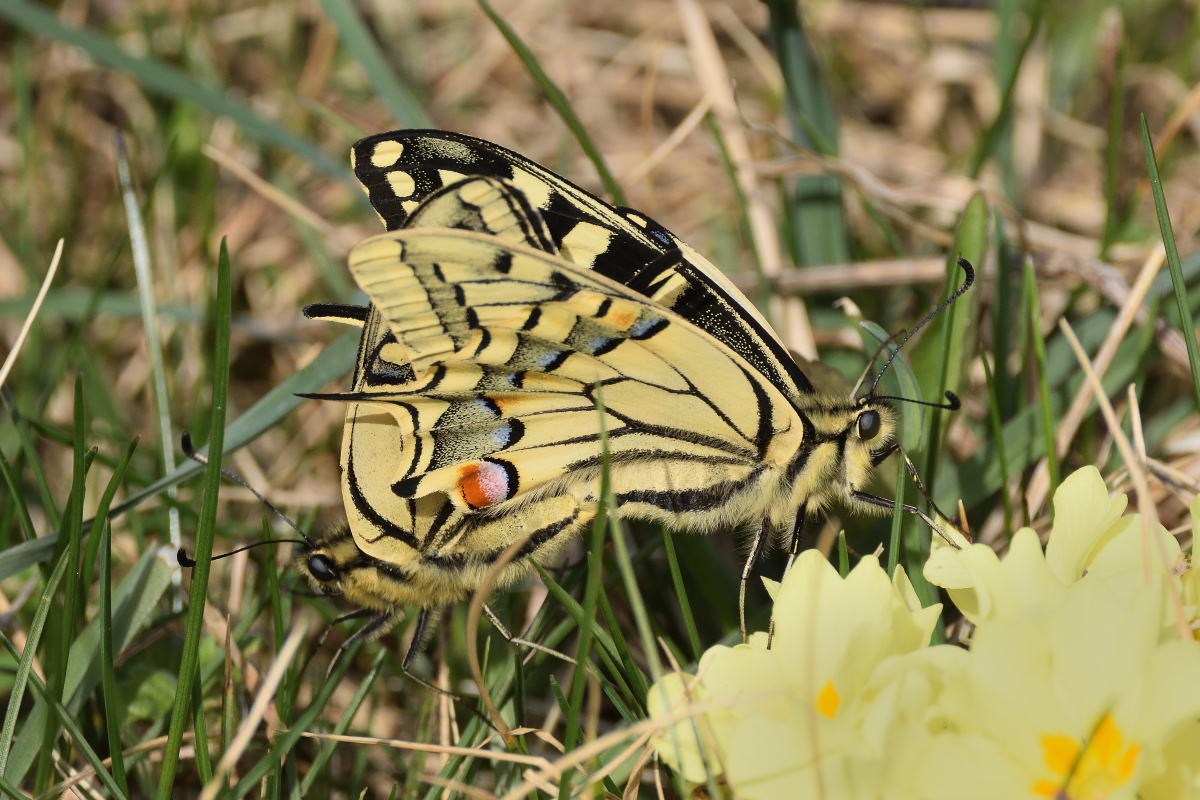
(401, 169)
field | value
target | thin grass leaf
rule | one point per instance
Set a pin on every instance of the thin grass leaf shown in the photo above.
(1034, 313)
(12, 791)
(332, 363)
(65, 625)
(762, 288)
(205, 531)
(168, 80)
(987, 144)
(813, 202)
(941, 367)
(558, 101)
(17, 499)
(25, 666)
(574, 709)
(681, 595)
(638, 685)
(110, 695)
(994, 425)
(1187, 323)
(136, 603)
(286, 740)
(361, 45)
(139, 249)
(343, 724)
(1007, 320)
(609, 652)
(204, 768)
(895, 536)
(636, 601)
(67, 721)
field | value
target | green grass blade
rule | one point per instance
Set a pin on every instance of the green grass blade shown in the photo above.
(12, 791)
(558, 101)
(136, 603)
(114, 708)
(1177, 281)
(895, 535)
(814, 203)
(995, 427)
(65, 626)
(360, 694)
(903, 381)
(165, 79)
(685, 606)
(1033, 312)
(25, 666)
(287, 739)
(205, 530)
(67, 721)
(139, 249)
(1008, 84)
(579, 675)
(949, 337)
(361, 45)
(331, 364)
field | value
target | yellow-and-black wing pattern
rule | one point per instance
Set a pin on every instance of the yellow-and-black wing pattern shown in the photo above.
(472, 419)
(523, 337)
(499, 435)
(400, 169)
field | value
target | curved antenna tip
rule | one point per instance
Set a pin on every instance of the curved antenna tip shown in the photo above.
(184, 560)
(952, 399)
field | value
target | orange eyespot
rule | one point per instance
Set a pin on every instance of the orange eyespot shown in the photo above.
(485, 483)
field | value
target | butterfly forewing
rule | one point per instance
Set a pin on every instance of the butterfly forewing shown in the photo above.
(401, 169)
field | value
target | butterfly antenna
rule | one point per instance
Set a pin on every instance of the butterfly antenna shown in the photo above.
(968, 279)
(187, 561)
(190, 452)
(952, 402)
(867, 369)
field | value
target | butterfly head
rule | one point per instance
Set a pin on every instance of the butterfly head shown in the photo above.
(334, 565)
(870, 437)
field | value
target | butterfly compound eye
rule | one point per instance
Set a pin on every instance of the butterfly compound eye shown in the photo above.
(321, 568)
(869, 424)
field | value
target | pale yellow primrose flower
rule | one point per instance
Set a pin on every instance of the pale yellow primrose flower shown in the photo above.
(1080, 705)
(1078, 687)
(817, 711)
(1088, 536)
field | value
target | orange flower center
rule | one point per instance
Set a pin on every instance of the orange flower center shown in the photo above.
(1094, 771)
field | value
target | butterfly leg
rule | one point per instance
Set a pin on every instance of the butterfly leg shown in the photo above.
(797, 540)
(380, 621)
(358, 614)
(414, 647)
(756, 548)
(500, 627)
